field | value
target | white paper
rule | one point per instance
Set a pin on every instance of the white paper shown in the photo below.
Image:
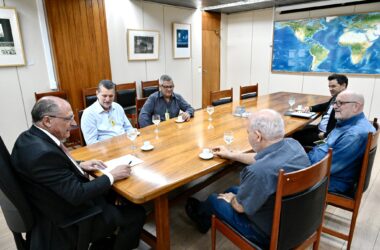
(126, 159)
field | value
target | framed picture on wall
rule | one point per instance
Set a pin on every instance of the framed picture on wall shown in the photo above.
(11, 50)
(143, 44)
(181, 40)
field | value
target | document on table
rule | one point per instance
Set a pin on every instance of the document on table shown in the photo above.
(126, 159)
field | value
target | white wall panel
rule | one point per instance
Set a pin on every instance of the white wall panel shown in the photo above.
(375, 100)
(287, 83)
(316, 84)
(239, 51)
(365, 86)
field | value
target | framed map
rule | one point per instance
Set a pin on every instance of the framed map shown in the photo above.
(343, 44)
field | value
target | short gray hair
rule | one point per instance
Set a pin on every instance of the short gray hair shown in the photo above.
(44, 106)
(108, 84)
(269, 123)
(165, 78)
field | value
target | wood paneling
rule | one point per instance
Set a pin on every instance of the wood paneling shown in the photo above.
(78, 34)
(210, 55)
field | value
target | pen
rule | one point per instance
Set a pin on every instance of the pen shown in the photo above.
(130, 163)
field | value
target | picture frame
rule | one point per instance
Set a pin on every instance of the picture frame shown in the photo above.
(143, 44)
(181, 40)
(11, 49)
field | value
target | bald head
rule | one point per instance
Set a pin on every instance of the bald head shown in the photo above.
(269, 123)
(348, 104)
(47, 105)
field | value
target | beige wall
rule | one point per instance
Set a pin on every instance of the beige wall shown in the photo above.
(246, 56)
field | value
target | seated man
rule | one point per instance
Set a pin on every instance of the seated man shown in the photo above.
(312, 133)
(249, 207)
(104, 118)
(348, 140)
(59, 190)
(165, 103)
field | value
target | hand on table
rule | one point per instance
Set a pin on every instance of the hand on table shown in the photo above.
(186, 116)
(121, 172)
(92, 165)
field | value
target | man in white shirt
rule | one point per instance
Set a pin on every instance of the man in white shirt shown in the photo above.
(104, 118)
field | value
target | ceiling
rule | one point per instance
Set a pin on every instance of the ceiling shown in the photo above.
(261, 4)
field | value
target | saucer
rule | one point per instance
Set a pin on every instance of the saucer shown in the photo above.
(206, 156)
(147, 148)
(179, 121)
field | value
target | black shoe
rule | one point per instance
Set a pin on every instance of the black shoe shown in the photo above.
(191, 208)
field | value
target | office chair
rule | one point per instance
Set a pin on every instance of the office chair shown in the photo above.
(221, 97)
(249, 91)
(298, 210)
(149, 87)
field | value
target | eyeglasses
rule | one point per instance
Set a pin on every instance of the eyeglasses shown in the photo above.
(69, 118)
(168, 86)
(340, 103)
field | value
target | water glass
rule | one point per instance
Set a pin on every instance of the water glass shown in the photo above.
(156, 119)
(210, 110)
(132, 134)
(291, 102)
(228, 137)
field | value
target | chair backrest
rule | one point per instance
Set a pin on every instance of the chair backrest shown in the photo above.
(221, 97)
(126, 94)
(149, 87)
(139, 104)
(367, 163)
(61, 94)
(16, 208)
(89, 96)
(249, 91)
(300, 204)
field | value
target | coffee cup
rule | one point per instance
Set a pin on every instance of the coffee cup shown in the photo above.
(180, 118)
(299, 107)
(146, 143)
(206, 151)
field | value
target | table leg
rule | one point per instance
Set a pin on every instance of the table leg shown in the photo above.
(162, 222)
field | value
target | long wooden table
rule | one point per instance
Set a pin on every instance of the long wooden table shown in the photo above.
(174, 160)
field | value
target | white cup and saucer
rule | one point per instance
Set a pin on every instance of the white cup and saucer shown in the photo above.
(179, 119)
(147, 146)
(206, 154)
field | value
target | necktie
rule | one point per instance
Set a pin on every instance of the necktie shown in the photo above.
(64, 149)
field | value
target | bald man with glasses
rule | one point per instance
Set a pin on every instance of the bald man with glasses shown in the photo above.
(165, 103)
(348, 140)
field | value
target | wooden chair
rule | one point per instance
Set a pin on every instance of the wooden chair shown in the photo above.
(89, 96)
(78, 117)
(221, 97)
(352, 204)
(126, 97)
(249, 91)
(61, 94)
(298, 210)
(139, 104)
(149, 87)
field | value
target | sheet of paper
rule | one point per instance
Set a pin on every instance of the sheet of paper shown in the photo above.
(126, 159)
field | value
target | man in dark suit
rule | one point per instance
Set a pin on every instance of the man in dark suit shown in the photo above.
(59, 191)
(311, 133)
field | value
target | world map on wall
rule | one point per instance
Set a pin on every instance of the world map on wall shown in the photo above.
(343, 44)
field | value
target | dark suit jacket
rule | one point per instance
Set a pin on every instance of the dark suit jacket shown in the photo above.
(323, 107)
(57, 190)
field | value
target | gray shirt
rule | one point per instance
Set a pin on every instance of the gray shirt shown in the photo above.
(258, 182)
(156, 104)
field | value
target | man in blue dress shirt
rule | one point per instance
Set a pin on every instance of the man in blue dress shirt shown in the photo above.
(104, 118)
(165, 103)
(348, 140)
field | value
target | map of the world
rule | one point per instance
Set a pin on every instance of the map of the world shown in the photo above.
(343, 44)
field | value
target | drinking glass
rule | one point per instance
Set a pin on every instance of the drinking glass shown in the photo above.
(291, 102)
(228, 138)
(132, 134)
(156, 120)
(210, 110)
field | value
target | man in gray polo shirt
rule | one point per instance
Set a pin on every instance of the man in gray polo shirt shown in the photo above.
(249, 207)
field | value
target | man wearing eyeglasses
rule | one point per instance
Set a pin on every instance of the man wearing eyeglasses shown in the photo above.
(311, 133)
(104, 118)
(348, 140)
(60, 192)
(165, 103)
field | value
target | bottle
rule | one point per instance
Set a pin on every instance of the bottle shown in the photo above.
(167, 115)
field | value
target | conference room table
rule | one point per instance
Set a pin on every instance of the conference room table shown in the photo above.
(175, 160)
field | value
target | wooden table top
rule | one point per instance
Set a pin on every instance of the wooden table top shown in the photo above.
(174, 161)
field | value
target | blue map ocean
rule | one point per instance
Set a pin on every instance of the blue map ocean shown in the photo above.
(292, 55)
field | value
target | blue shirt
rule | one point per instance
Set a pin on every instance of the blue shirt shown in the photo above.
(156, 104)
(258, 182)
(348, 140)
(98, 124)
